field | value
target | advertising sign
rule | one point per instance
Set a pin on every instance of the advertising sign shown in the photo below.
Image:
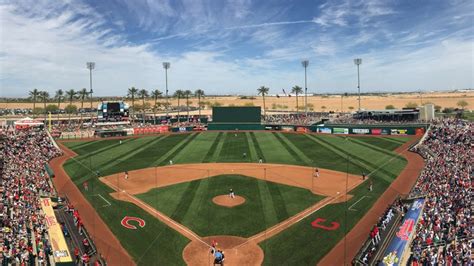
(360, 131)
(301, 129)
(399, 131)
(394, 253)
(59, 246)
(182, 129)
(324, 130)
(376, 131)
(337, 130)
(287, 128)
(419, 131)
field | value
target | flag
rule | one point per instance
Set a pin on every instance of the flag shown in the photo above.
(284, 92)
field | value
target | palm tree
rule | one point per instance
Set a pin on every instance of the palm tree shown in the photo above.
(70, 95)
(199, 93)
(297, 90)
(178, 94)
(131, 94)
(44, 96)
(263, 91)
(34, 95)
(143, 94)
(82, 94)
(187, 93)
(155, 94)
(59, 96)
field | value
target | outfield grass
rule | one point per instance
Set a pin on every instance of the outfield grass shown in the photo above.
(267, 203)
(157, 244)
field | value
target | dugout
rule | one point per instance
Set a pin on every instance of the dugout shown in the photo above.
(236, 118)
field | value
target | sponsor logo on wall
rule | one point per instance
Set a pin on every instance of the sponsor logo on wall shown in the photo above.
(287, 128)
(324, 130)
(337, 130)
(398, 131)
(376, 131)
(360, 130)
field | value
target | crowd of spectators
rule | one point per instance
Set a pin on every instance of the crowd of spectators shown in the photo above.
(293, 119)
(24, 239)
(349, 119)
(444, 233)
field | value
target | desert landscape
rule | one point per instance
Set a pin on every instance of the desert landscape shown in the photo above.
(316, 103)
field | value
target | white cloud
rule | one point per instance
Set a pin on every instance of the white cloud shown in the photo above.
(46, 48)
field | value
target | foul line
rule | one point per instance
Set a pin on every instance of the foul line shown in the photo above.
(350, 207)
(108, 202)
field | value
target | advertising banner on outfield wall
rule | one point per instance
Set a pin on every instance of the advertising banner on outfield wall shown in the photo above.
(338, 130)
(325, 130)
(360, 131)
(394, 254)
(288, 128)
(376, 131)
(399, 131)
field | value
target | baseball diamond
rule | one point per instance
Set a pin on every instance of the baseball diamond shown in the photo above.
(272, 171)
(236, 132)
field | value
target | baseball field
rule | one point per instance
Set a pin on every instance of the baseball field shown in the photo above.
(166, 198)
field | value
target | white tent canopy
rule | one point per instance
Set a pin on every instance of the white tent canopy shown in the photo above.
(27, 121)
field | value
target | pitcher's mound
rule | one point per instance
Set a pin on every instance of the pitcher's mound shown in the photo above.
(237, 251)
(226, 201)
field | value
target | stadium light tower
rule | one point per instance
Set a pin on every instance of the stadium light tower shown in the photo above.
(305, 64)
(358, 62)
(166, 66)
(90, 66)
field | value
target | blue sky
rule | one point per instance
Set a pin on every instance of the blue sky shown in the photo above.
(235, 46)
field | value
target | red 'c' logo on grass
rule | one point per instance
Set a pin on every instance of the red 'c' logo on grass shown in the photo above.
(316, 224)
(126, 219)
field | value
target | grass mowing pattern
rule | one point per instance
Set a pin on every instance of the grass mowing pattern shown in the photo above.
(186, 200)
(382, 143)
(235, 145)
(386, 151)
(178, 149)
(355, 155)
(278, 201)
(147, 249)
(257, 146)
(192, 204)
(287, 147)
(212, 149)
(322, 156)
(197, 149)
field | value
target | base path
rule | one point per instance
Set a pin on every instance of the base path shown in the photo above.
(239, 251)
(111, 249)
(360, 232)
(329, 183)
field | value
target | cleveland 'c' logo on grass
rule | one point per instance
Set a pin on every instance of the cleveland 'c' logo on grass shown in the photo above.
(125, 222)
(316, 224)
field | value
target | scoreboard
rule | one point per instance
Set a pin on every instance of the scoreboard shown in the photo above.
(112, 111)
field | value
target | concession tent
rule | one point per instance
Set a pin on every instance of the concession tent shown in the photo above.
(27, 122)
